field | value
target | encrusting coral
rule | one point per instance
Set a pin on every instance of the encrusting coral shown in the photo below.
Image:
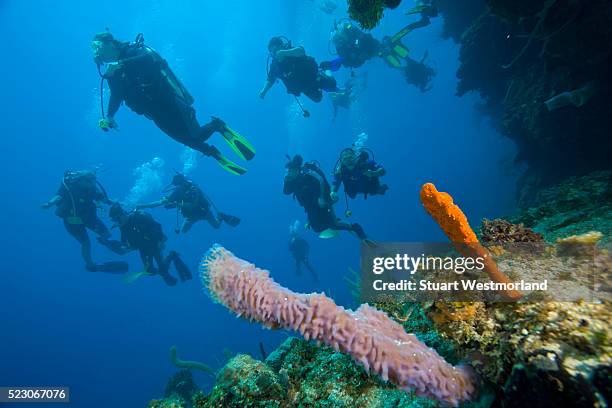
(368, 335)
(369, 12)
(455, 225)
(502, 231)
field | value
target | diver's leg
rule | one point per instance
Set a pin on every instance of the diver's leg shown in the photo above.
(79, 233)
(164, 267)
(187, 224)
(311, 270)
(356, 228)
(178, 120)
(213, 220)
(147, 262)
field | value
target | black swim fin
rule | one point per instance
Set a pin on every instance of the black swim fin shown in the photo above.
(230, 220)
(180, 266)
(112, 267)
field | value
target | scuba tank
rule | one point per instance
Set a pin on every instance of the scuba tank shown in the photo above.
(165, 70)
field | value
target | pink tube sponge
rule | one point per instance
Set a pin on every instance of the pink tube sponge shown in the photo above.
(368, 335)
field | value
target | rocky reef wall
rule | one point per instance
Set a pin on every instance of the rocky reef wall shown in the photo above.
(543, 69)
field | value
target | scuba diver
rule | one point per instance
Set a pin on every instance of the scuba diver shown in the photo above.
(139, 231)
(354, 47)
(192, 203)
(419, 74)
(298, 71)
(300, 249)
(76, 203)
(307, 183)
(140, 77)
(359, 173)
(345, 97)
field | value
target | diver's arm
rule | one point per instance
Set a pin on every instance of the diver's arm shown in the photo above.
(153, 204)
(291, 52)
(269, 84)
(376, 171)
(53, 201)
(113, 104)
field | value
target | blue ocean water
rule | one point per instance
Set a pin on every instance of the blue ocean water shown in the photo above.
(108, 341)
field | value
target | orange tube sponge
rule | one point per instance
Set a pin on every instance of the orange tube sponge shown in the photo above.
(455, 225)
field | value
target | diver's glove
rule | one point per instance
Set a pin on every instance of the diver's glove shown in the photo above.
(107, 123)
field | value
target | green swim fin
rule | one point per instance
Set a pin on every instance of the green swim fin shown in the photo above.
(229, 165)
(242, 147)
(328, 233)
(393, 61)
(400, 50)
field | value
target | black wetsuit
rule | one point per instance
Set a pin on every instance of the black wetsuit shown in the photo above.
(356, 182)
(140, 82)
(143, 233)
(311, 189)
(191, 202)
(301, 75)
(139, 231)
(300, 249)
(355, 47)
(78, 208)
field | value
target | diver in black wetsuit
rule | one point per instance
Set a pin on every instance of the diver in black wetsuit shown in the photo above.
(77, 204)
(140, 77)
(300, 249)
(193, 205)
(354, 47)
(139, 231)
(298, 71)
(308, 184)
(359, 173)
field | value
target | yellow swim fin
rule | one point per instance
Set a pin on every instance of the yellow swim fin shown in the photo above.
(133, 277)
(242, 147)
(229, 165)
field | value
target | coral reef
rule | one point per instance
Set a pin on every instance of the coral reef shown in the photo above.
(246, 382)
(181, 386)
(455, 225)
(369, 336)
(542, 68)
(557, 346)
(572, 207)
(576, 245)
(458, 16)
(369, 12)
(502, 231)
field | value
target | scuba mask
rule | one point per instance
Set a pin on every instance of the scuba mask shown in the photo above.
(103, 47)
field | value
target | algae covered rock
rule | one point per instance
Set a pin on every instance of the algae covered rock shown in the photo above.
(320, 377)
(575, 206)
(246, 382)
